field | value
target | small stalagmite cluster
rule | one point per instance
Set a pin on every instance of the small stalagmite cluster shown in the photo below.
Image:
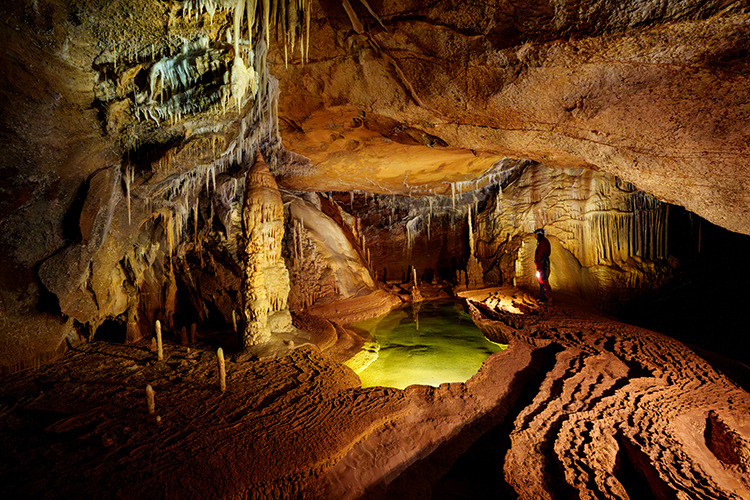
(265, 280)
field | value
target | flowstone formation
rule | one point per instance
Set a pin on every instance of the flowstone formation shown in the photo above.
(265, 283)
(325, 261)
(609, 240)
(474, 271)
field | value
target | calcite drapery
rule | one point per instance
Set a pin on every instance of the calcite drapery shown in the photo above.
(265, 280)
(608, 239)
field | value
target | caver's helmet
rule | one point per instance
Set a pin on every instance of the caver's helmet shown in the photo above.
(539, 232)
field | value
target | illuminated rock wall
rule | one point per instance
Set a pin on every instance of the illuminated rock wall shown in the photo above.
(608, 239)
(324, 263)
(137, 135)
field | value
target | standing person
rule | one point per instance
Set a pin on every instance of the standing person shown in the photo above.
(541, 259)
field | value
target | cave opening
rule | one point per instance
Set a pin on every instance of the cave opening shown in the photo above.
(111, 330)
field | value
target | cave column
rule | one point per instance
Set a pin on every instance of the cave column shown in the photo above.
(265, 279)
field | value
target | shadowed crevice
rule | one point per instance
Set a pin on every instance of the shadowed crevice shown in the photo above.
(470, 465)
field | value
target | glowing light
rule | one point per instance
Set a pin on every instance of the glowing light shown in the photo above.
(538, 275)
(448, 347)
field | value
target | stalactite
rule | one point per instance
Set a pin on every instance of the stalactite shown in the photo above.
(129, 179)
(471, 235)
(412, 230)
(170, 238)
(429, 218)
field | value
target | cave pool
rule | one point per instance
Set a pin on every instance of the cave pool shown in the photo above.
(429, 343)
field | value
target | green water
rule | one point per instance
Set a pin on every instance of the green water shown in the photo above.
(437, 344)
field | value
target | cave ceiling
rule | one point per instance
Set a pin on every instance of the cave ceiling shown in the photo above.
(404, 97)
(425, 94)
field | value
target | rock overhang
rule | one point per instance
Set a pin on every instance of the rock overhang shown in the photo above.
(659, 102)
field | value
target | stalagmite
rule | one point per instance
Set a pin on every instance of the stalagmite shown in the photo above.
(263, 228)
(150, 399)
(416, 295)
(159, 346)
(193, 331)
(222, 369)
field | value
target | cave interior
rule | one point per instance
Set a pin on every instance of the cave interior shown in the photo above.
(201, 199)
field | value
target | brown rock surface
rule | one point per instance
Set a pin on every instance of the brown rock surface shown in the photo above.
(579, 404)
(125, 128)
(569, 84)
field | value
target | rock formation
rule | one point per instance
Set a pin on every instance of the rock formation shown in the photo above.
(609, 239)
(265, 279)
(474, 272)
(325, 263)
(135, 124)
(578, 405)
(394, 130)
(653, 95)
(416, 295)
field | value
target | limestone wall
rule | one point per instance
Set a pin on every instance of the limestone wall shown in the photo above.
(608, 239)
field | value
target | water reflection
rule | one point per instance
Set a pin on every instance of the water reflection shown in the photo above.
(429, 343)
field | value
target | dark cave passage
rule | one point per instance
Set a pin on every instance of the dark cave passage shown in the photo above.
(702, 304)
